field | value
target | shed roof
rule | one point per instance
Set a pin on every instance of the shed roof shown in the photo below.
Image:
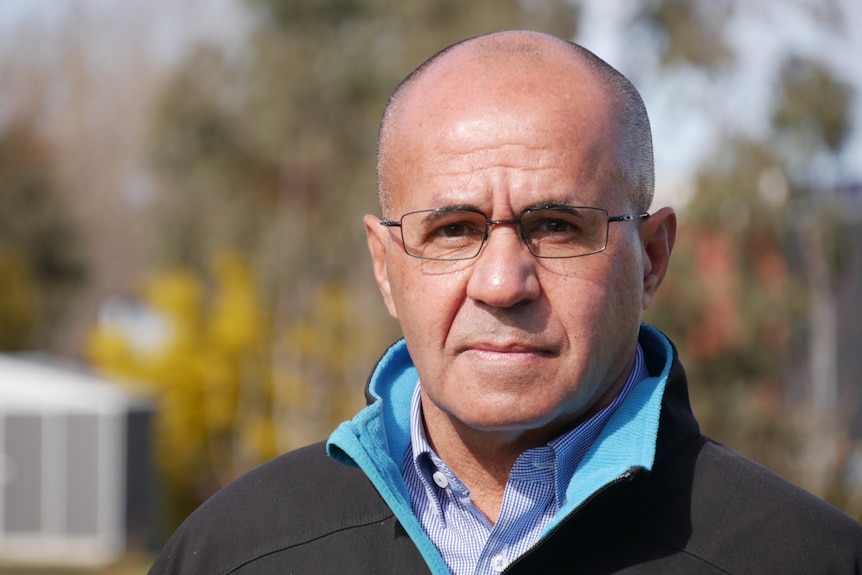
(27, 385)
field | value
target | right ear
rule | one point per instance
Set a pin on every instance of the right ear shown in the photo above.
(378, 245)
(658, 234)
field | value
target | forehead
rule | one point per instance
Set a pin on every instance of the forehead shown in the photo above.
(494, 77)
(536, 125)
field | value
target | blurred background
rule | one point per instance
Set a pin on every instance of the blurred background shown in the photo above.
(184, 285)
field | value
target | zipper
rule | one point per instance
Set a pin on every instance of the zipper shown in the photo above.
(627, 476)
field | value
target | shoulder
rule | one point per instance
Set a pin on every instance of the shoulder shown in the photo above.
(277, 510)
(727, 511)
(295, 488)
(292, 486)
(702, 509)
(730, 487)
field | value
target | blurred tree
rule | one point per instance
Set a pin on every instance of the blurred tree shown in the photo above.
(690, 32)
(813, 106)
(40, 260)
(209, 376)
(732, 303)
(752, 267)
(811, 125)
(274, 143)
(231, 394)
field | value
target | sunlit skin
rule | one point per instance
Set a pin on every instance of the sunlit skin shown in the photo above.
(512, 350)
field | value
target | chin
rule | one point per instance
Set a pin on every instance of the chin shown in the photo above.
(512, 422)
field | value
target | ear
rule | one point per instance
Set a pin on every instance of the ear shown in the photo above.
(378, 245)
(658, 234)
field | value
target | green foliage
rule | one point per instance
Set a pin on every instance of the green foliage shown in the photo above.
(18, 304)
(689, 31)
(274, 144)
(814, 106)
(40, 264)
(280, 14)
(759, 254)
(733, 301)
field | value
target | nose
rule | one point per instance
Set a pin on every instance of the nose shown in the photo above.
(504, 274)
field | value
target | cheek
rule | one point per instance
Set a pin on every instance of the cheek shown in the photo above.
(600, 303)
(426, 304)
(625, 300)
(587, 313)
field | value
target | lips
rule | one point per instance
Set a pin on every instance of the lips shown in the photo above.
(509, 348)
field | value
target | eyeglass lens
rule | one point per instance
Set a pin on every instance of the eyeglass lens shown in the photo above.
(548, 232)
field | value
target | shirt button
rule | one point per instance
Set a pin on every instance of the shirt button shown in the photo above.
(499, 563)
(440, 480)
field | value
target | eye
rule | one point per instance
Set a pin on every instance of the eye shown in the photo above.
(454, 230)
(554, 225)
(443, 234)
(453, 225)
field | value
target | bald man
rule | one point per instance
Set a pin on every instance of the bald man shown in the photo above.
(528, 422)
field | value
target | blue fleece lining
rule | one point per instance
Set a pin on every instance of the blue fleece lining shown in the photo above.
(377, 450)
(376, 439)
(628, 439)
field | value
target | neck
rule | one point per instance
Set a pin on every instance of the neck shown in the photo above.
(483, 459)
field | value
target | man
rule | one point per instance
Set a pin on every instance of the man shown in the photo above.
(528, 422)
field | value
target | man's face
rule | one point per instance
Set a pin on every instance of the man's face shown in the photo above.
(507, 342)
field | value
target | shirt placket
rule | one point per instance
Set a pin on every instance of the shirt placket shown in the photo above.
(529, 496)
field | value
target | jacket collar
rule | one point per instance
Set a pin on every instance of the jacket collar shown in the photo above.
(375, 440)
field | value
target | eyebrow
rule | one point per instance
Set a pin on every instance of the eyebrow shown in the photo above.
(456, 208)
(530, 207)
(548, 206)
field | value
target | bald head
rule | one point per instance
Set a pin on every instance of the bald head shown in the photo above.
(501, 60)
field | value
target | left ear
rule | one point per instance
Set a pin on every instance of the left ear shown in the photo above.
(658, 234)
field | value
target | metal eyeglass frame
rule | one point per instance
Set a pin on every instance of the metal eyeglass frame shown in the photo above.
(488, 223)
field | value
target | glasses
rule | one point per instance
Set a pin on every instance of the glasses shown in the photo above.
(551, 231)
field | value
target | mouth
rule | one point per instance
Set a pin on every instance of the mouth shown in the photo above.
(510, 351)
